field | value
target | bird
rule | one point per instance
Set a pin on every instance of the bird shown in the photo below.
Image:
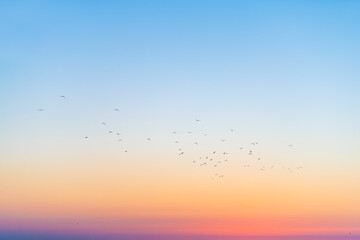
(181, 153)
(63, 96)
(214, 152)
(189, 132)
(290, 145)
(126, 151)
(241, 148)
(86, 137)
(118, 134)
(120, 140)
(231, 130)
(174, 132)
(116, 109)
(250, 153)
(40, 109)
(176, 142)
(259, 158)
(198, 120)
(223, 140)
(110, 131)
(196, 143)
(103, 123)
(148, 139)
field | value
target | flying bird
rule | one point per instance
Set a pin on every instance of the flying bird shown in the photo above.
(148, 139)
(63, 96)
(116, 109)
(40, 109)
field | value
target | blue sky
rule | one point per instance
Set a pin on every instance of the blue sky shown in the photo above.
(261, 62)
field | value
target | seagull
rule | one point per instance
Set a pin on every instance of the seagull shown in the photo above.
(41, 109)
(103, 123)
(291, 145)
(197, 120)
(241, 148)
(125, 150)
(231, 130)
(174, 132)
(110, 131)
(63, 96)
(189, 132)
(116, 109)
(196, 143)
(214, 152)
(176, 142)
(86, 137)
(119, 140)
(181, 153)
(118, 134)
(223, 140)
(259, 158)
(148, 139)
(250, 153)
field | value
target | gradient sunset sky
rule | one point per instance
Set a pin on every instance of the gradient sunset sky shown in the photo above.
(278, 73)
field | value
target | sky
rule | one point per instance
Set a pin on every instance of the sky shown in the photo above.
(272, 87)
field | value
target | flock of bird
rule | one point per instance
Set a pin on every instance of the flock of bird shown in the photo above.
(212, 158)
